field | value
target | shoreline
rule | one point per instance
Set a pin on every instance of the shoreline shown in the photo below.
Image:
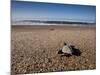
(57, 26)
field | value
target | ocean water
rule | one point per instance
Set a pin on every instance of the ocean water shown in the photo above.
(59, 23)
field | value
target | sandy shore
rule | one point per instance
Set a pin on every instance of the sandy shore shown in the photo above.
(35, 49)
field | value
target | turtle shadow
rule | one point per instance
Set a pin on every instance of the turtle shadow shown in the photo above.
(75, 51)
(66, 55)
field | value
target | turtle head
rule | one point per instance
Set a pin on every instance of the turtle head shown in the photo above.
(65, 43)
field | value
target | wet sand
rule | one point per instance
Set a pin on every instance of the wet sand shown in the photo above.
(34, 49)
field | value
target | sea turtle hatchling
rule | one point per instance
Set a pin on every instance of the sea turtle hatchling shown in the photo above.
(69, 50)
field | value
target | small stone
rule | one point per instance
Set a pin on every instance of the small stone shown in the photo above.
(46, 60)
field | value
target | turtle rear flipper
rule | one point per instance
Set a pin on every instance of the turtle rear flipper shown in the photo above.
(60, 52)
